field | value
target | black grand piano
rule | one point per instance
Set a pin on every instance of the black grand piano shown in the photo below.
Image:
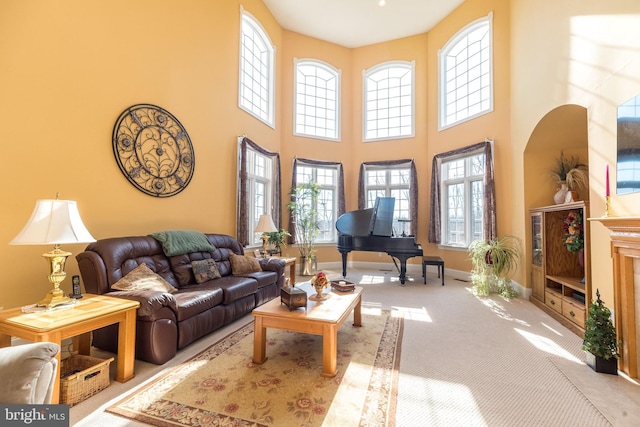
(372, 230)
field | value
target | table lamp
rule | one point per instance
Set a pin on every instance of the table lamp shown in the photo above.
(54, 222)
(265, 225)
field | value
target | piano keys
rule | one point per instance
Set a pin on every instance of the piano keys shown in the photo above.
(372, 230)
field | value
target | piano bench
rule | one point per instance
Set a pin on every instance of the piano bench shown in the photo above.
(432, 260)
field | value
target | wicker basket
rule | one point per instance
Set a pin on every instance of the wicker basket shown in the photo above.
(81, 377)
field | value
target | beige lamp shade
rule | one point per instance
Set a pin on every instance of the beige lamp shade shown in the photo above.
(54, 222)
(265, 224)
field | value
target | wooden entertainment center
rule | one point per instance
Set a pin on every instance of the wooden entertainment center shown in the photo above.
(560, 284)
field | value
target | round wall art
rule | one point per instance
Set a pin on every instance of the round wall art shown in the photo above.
(153, 150)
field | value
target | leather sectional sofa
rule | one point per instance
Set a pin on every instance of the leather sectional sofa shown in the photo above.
(167, 321)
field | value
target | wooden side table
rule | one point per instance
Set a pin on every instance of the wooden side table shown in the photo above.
(90, 313)
(291, 262)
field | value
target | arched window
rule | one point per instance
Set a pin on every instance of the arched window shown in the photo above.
(256, 88)
(389, 101)
(317, 103)
(466, 74)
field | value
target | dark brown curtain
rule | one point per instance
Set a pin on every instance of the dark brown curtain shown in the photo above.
(489, 220)
(294, 184)
(243, 231)
(413, 187)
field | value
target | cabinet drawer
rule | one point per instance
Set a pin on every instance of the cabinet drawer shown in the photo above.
(573, 311)
(553, 300)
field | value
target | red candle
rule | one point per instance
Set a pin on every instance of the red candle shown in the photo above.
(607, 182)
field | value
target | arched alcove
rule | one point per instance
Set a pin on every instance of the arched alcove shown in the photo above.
(562, 129)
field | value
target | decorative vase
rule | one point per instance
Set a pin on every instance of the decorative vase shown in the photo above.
(561, 194)
(308, 266)
(319, 296)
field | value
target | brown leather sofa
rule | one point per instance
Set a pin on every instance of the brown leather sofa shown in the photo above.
(167, 322)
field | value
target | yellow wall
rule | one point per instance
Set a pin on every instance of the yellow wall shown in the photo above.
(582, 53)
(70, 67)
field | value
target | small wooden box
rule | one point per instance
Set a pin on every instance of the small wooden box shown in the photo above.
(293, 297)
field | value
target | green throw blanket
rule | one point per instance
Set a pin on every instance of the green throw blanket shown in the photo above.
(178, 242)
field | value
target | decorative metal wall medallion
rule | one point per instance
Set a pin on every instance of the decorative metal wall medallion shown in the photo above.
(153, 150)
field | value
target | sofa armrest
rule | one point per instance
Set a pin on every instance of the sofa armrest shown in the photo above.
(28, 372)
(150, 301)
(274, 264)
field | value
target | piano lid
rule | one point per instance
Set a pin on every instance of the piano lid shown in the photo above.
(376, 221)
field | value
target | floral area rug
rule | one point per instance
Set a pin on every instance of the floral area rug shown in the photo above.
(223, 387)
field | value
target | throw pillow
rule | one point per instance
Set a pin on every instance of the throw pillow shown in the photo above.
(142, 278)
(204, 270)
(243, 264)
(178, 242)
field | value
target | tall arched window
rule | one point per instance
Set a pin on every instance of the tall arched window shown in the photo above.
(389, 101)
(466, 74)
(256, 82)
(317, 103)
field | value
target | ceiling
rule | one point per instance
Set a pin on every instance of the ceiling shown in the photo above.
(355, 23)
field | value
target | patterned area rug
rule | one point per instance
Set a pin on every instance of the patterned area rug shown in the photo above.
(223, 387)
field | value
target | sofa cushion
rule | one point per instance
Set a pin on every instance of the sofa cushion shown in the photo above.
(195, 299)
(204, 270)
(234, 287)
(178, 242)
(142, 278)
(264, 278)
(241, 264)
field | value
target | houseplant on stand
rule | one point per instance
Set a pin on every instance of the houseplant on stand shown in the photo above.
(278, 239)
(570, 174)
(304, 199)
(493, 261)
(600, 342)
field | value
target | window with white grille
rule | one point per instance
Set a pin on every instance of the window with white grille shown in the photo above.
(389, 101)
(256, 83)
(466, 74)
(317, 100)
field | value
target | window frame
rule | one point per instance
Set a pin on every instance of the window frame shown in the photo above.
(268, 116)
(331, 228)
(408, 65)
(407, 228)
(453, 43)
(337, 75)
(467, 181)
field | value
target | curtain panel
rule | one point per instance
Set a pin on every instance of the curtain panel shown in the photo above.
(413, 187)
(489, 219)
(243, 230)
(294, 184)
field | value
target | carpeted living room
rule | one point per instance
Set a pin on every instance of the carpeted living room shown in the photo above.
(378, 142)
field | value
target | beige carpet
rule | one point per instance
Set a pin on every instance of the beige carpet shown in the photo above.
(465, 361)
(222, 386)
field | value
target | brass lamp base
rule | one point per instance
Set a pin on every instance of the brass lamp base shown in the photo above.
(55, 298)
(56, 260)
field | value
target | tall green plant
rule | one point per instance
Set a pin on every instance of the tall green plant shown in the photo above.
(304, 199)
(493, 263)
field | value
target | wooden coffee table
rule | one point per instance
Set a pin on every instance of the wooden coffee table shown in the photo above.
(90, 313)
(320, 318)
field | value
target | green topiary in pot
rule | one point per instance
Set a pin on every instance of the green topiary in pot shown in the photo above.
(600, 340)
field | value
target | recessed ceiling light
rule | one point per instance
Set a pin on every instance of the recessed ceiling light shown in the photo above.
(382, 3)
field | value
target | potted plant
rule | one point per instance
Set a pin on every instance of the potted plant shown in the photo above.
(493, 262)
(600, 342)
(570, 174)
(304, 199)
(278, 239)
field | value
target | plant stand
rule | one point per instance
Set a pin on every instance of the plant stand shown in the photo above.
(602, 365)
